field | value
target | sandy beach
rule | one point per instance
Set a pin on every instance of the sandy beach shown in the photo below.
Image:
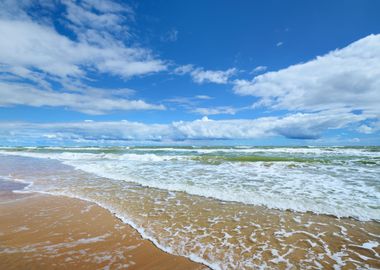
(55, 232)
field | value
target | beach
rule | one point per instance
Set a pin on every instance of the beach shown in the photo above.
(55, 232)
(189, 135)
(297, 208)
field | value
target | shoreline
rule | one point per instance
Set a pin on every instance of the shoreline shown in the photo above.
(139, 230)
(52, 231)
(226, 235)
(295, 208)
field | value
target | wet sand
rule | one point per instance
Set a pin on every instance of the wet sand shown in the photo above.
(53, 232)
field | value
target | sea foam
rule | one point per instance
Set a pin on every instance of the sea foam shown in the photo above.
(337, 181)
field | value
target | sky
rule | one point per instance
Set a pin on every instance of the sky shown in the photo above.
(95, 72)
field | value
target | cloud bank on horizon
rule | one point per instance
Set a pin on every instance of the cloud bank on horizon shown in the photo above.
(85, 59)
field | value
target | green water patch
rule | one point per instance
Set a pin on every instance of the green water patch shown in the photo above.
(368, 162)
(219, 159)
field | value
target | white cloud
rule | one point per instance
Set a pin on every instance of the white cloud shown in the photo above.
(29, 45)
(81, 14)
(39, 66)
(365, 129)
(259, 69)
(101, 23)
(199, 75)
(369, 129)
(33, 46)
(107, 6)
(203, 97)
(346, 78)
(215, 110)
(215, 76)
(300, 126)
(278, 44)
(95, 102)
(181, 70)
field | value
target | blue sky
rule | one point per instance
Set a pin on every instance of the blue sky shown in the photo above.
(189, 72)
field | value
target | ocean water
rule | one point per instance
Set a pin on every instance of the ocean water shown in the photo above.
(227, 207)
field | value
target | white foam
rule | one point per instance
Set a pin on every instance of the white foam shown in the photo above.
(370, 245)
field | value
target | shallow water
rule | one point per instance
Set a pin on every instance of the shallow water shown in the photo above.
(239, 220)
(339, 181)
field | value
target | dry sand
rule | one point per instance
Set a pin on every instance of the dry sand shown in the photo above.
(52, 232)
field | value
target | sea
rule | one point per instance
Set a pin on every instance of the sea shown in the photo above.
(237, 207)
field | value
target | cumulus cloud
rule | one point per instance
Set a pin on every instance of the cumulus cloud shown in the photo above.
(299, 126)
(88, 131)
(200, 75)
(343, 83)
(346, 78)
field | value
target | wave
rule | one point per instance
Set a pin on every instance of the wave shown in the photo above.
(343, 187)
